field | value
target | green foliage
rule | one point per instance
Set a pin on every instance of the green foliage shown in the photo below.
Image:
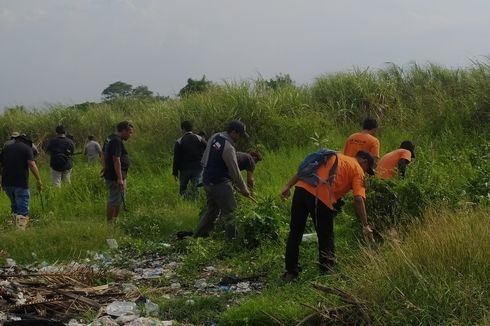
(195, 86)
(437, 275)
(279, 81)
(193, 309)
(120, 89)
(117, 89)
(142, 92)
(394, 203)
(260, 223)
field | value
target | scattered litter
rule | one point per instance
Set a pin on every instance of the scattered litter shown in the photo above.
(10, 262)
(112, 243)
(104, 321)
(201, 284)
(210, 269)
(175, 285)
(119, 308)
(124, 319)
(243, 287)
(310, 237)
(151, 309)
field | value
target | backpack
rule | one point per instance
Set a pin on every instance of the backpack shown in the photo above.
(59, 161)
(307, 169)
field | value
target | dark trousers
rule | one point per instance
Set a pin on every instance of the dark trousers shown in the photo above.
(220, 200)
(192, 175)
(302, 206)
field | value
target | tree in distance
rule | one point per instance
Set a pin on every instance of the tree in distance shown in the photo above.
(117, 89)
(195, 86)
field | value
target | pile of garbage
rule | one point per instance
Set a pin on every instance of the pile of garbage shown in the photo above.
(106, 286)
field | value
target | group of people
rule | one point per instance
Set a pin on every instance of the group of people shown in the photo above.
(334, 177)
(321, 182)
(18, 154)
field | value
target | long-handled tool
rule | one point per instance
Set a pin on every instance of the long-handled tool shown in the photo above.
(124, 202)
(42, 201)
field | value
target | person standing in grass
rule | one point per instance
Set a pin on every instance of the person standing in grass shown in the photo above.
(364, 140)
(188, 151)
(221, 171)
(61, 150)
(11, 140)
(397, 159)
(16, 161)
(247, 162)
(92, 150)
(322, 203)
(115, 168)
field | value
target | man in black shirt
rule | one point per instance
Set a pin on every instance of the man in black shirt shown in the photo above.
(16, 159)
(188, 152)
(247, 162)
(116, 165)
(60, 149)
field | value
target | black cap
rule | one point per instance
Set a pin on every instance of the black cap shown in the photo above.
(60, 130)
(408, 145)
(239, 127)
(370, 160)
(24, 138)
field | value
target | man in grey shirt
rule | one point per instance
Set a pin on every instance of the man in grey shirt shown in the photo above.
(221, 171)
(92, 150)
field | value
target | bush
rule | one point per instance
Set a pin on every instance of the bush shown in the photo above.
(260, 223)
(394, 203)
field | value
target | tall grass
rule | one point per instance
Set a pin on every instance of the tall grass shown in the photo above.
(444, 111)
(436, 275)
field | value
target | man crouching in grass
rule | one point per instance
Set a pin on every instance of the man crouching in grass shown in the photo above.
(115, 169)
(323, 202)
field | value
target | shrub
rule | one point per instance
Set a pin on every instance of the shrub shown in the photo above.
(263, 222)
(393, 203)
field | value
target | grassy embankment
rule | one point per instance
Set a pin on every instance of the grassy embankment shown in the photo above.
(434, 272)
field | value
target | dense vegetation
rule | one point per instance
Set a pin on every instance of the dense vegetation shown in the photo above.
(432, 264)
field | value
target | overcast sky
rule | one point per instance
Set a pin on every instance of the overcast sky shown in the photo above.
(68, 51)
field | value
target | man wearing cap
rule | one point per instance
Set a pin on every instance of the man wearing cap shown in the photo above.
(14, 135)
(364, 140)
(220, 173)
(60, 149)
(16, 160)
(397, 159)
(323, 203)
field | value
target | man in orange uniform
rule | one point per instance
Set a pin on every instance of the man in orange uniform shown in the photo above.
(364, 140)
(398, 158)
(323, 202)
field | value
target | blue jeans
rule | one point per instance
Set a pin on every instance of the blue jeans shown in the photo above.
(19, 199)
(190, 175)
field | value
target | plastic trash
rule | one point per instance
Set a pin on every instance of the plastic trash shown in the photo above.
(104, 321)
(112, 243)
(119, 308)
(201, 284)
(124, 319)
(310, 237)
(10, 262)
(175, 285)
(151, 309)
